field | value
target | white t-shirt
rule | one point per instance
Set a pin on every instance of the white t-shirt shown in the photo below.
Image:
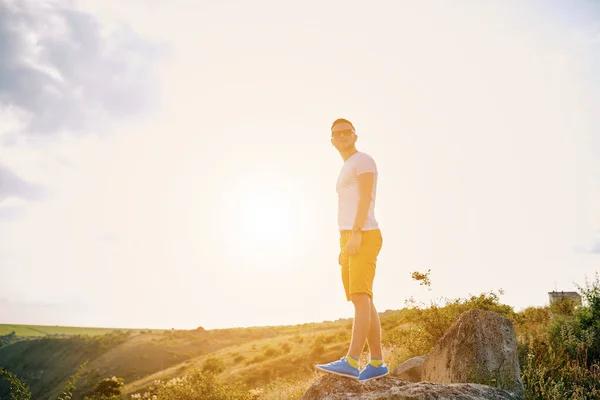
(348, 194)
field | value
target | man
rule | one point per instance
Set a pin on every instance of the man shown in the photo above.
(360, 243)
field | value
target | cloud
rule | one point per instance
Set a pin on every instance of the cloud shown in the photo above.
(10, 213)
(595, 247)
(11, 185)
(67, 72)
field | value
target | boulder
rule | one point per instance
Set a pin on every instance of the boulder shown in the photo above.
(479, 347)
(410, 370)
(332, 387)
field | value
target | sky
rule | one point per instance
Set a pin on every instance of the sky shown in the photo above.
(169, 165)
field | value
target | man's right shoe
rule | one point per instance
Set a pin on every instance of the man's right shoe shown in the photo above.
(341, 367)
(370, 372)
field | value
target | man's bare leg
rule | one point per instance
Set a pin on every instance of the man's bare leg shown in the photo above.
(374, 335)
(362, 323)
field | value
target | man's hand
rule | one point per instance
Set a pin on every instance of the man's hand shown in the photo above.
(354, 243)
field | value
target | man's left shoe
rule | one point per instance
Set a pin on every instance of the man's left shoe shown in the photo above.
(370, 372)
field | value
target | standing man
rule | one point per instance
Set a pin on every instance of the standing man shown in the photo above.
(360, 243)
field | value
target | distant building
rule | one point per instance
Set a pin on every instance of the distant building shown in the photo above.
(569, 296)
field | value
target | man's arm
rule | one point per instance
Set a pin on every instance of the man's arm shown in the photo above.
(365, 191)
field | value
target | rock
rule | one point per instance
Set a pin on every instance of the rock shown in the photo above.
(332, 387)
(410, 370)
(479, 347)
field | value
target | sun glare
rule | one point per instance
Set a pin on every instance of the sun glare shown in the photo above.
(265, 217)
(258, 214)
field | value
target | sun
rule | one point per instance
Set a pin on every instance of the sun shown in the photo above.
(259, 216)
(265, 217)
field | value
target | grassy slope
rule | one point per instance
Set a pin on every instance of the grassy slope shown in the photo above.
(46, 363)
(260, 361)
(257, 356)
(250, 363)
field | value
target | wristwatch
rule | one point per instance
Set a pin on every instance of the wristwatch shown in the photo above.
(356, 228)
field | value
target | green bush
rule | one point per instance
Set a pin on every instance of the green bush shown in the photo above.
(8, 339)
(533, 316)
(428, 324)
(562, 361)
(18, 389)
(108, 387)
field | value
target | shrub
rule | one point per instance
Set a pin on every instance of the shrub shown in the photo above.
(270, 352)
(563, 360)
(552, 372)
(8, 338)
(67, 394)
(109, 386)
(214, 365)
(239, 358)
(429, 324)
(256, 359)
(286, 348)
(18, 389)
(533, 315)
(563, 307)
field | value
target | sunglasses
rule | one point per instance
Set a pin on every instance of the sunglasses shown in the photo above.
(346, 132)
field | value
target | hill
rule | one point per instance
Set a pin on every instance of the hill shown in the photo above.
(558, 350)
(45, 357)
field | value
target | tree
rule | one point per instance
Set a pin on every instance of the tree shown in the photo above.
(109, 386)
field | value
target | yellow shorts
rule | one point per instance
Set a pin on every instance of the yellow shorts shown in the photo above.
(358, 271)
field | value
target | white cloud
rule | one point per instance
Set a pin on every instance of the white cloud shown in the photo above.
(59, 65)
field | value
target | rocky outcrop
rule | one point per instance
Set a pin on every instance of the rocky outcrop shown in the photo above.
(410, 370)
(476, 359)
(332, 387)
(479, 347)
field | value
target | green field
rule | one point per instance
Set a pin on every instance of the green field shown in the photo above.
(43, 330)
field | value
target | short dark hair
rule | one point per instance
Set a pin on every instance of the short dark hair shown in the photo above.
(342, 121)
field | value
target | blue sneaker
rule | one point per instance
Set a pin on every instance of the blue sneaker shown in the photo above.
(371, 372)
(341, 367)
